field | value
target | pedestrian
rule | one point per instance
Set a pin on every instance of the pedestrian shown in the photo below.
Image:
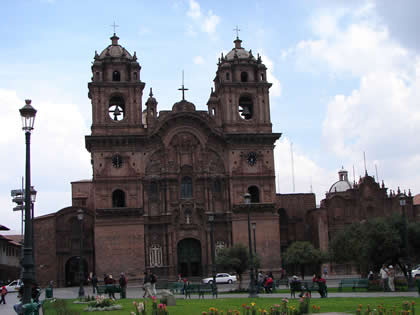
(147, 285)
(260, 281)
(295, 286)
(391, 276)
(3, 295)
(268, 285)
(384, 277)
(370, 275)
(110, 288)
(94, 284)
(325, 272)
(153, 280)
(322, 285)
(19, 306)
(123, 285)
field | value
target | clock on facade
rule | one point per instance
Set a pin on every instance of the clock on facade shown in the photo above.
(117, 161)
(252, 158)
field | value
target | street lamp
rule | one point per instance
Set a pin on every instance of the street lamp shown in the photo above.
(254, 227)
(213, 263)
(403, 204)
(252, 291)
(28, 114)
(81, 271)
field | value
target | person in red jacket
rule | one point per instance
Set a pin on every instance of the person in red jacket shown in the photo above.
(3, 295)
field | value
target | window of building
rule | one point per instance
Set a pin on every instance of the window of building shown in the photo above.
(116, 76)
(217, 186)
(246, 107)
(118, 198)
(220, 245)
(155, 255)
(186, 187)
(255, 194)
(135, 76)
(116, 108)
(98, 77)
(262, 76)
(244, 76)
(227, 76)
(213, 111)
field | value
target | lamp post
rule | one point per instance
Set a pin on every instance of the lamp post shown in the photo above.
(33, 199)
(213, 263)
(28, 113)
(252, 291)
(81, 271)
(403, 204)
(254, 227)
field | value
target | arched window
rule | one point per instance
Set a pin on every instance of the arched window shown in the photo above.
(213, 111)
(227, 76)
(118, 198)
(246, 108)
(244, 76)
(262, 76)
(186, 187)
(217, 186)
(135, 76)
(116, 108)
(284, 219)
(155, 255)
(116, 76)
(97, 76)
(255, 194)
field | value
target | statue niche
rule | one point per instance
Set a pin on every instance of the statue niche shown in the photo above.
(186, 147)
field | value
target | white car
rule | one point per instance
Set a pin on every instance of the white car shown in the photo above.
(14, 285)
(221, 278)
(415, 272)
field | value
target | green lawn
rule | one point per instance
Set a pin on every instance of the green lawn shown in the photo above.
(190, 307)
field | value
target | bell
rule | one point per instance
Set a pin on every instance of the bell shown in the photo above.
(116, 113)
(246, 112)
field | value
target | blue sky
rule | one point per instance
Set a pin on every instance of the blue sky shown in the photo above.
(346, 79)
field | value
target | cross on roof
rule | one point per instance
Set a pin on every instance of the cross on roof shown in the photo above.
(183, 89)
(114, 26)
(237, 31)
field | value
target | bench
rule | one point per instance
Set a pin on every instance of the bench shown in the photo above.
(278, 283)
(176, 287)
(201, 289)
(109, 288)
(310, 286)
(353, 283)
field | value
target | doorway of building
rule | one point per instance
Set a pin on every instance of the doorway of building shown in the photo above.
(189, 257)
(72, 271)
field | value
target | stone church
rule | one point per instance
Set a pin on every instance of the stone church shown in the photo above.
(160, 176)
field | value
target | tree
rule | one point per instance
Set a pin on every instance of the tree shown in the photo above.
(369, 244)
(234, 258)
(303, 254)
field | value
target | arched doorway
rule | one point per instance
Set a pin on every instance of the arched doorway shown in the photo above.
(72, 271)
(189, 257)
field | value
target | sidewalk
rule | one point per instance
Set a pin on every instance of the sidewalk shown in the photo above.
(137, 292)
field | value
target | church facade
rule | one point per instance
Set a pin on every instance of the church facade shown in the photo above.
(163, 180)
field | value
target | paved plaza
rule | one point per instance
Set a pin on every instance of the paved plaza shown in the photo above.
(136, 291)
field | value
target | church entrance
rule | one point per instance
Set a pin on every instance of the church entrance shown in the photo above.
(189, 257)
(72, 271)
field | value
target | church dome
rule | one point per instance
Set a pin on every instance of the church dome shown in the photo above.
(342, 184)
(115, 50)
(239, 52)
(183, 106)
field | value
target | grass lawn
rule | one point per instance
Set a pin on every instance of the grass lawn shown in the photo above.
(196, 307)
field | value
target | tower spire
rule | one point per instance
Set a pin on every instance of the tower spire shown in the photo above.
(182, 88)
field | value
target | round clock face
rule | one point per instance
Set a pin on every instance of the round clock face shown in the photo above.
(117, 161)
(252, 158)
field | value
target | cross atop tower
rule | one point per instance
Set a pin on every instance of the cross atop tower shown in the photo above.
(237, 31)
(114, 26)
(182, 88)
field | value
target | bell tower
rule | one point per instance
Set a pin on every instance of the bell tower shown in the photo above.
(116, 92)
(240, 102)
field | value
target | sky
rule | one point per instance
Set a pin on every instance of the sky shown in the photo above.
(345, 74)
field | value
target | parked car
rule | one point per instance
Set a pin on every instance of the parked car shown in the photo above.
(415, 272)
(221, 278)
(14, 285)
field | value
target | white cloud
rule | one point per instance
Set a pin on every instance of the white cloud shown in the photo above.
(57, 154)
(382, 114)
(207, 23)
(198, 60)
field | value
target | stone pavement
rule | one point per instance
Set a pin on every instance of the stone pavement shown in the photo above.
(137, 292)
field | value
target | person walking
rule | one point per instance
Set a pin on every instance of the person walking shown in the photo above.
(94, 284)
(123, 285)
(3, 295)
(153, 280)
(384, 277)
(147, 285)
(391, 277)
